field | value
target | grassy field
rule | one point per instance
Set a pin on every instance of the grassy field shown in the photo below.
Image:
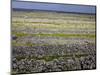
(47, 38)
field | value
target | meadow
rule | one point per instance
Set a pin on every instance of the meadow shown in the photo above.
(45, 41)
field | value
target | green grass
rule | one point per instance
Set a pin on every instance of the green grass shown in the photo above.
(21, 34)
(52, 27)
(66, 35)
(56, 35)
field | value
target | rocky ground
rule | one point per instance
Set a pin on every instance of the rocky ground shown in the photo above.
(53, 58)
